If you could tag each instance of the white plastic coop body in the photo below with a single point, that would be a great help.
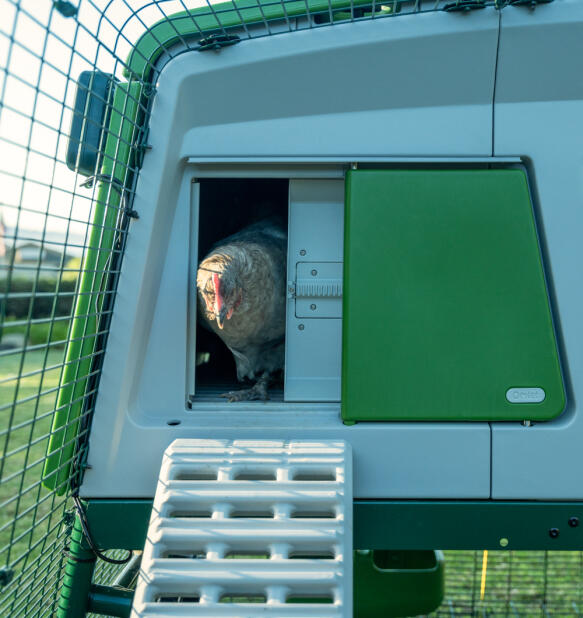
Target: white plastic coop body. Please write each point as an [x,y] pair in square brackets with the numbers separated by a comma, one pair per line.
[276,122]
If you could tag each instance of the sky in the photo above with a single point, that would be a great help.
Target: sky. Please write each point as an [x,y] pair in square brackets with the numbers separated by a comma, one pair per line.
[42,54]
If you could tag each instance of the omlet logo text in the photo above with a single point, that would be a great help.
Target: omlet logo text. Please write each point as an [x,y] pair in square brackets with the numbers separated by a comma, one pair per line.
[525,395]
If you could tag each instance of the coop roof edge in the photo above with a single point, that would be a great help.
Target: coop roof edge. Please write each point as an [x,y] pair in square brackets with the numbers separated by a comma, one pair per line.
[219,18]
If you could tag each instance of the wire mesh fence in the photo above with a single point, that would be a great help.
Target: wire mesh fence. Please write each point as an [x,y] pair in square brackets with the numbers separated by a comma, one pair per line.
[515,583]
[64,217]
[61,239]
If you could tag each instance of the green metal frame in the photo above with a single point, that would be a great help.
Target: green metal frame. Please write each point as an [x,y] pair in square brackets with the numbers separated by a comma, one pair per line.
[76,586]
[378,524]
[465,525]
[397,524]
[228,15]
[84,332]
[110,601]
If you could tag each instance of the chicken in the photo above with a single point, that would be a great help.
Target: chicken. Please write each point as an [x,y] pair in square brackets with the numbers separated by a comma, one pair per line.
[241,287]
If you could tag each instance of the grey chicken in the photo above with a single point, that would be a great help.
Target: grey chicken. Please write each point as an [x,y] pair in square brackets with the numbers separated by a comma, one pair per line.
[241,287]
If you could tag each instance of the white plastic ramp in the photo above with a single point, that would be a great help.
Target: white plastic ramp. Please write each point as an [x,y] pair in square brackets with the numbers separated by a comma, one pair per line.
[250,528]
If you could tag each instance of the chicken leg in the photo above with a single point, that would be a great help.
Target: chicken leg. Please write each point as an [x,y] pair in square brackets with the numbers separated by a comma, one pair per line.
[257,392]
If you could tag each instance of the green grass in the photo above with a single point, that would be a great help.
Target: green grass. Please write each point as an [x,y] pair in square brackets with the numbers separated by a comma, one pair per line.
[518,583]
[40,332]
[28,512]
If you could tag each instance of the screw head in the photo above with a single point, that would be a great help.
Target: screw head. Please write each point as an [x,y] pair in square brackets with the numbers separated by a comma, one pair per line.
[503,542]
[302,252]
[301,327]
[573,522]
[313,307]
[314,272]
[554,533]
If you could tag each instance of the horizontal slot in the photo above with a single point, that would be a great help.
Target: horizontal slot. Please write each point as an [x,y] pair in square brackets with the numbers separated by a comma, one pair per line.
[243,598]
[199,554]
[176,598]
[255,475]
[256,513]
[314,475]
[203,514]
[313,555]
[251,554]
[300,597]
[313,514]
[385,559]
[196,475]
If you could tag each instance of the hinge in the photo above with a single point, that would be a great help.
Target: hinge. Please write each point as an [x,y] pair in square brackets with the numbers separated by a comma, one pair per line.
[464,5]
[216,41]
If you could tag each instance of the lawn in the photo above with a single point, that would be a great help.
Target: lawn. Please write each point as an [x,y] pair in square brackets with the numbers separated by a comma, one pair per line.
[28,512]
[518,583]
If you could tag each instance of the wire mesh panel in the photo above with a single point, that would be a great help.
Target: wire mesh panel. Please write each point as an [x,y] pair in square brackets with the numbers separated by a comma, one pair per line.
[69,160]
[513,583]
[61,238]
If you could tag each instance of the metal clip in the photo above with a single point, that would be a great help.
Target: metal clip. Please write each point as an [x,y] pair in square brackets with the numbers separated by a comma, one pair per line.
[216,41]
[6,576]
[65,8]
[69,518]
[141,146]
[464,5]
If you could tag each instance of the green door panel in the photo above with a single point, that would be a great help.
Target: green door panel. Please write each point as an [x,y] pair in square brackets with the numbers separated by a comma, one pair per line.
[445,302]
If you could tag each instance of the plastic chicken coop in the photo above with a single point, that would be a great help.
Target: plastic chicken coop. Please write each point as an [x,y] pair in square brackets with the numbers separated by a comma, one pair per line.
[425,156]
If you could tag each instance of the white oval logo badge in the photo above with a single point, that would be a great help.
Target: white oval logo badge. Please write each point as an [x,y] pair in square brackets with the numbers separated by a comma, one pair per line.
[525,395]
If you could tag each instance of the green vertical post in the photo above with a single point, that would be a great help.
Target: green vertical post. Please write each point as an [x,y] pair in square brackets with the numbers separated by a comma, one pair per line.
[74,596]
[110,601]
[84,332]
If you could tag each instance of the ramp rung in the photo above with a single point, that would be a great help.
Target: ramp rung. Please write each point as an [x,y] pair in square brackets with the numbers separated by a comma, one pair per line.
[245,528]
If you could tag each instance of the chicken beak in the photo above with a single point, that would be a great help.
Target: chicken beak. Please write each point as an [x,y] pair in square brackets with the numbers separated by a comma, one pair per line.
[220,310]
[221,315]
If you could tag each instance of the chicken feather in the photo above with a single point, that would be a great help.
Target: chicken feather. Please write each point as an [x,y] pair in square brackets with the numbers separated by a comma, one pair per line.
[241,287]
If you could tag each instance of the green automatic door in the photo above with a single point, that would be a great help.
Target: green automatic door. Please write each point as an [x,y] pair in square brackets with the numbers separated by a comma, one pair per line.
[446,313]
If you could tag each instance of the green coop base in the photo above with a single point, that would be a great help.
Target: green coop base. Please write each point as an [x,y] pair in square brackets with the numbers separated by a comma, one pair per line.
[397,583]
